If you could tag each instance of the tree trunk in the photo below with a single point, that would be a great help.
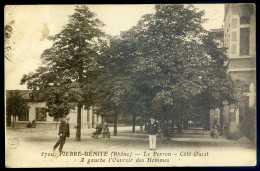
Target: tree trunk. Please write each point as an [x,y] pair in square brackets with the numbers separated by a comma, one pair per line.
[221,121]
[78,132]
[185,124]
[173,129]
[57,123]
[179,128]
[13,121]
[8,120]
[145,124]
[134,119]
[179,125]
[141,125]
[92,121]
[115,123]
[207,121]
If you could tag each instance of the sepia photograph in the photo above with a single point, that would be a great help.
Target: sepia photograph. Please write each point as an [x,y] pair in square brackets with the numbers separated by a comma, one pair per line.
[130,85]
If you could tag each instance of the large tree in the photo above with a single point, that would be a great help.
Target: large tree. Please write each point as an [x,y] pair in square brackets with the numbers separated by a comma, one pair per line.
[172,60]
[113,82]
[68,77]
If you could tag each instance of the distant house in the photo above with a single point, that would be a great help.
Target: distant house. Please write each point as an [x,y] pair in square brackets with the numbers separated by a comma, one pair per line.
[39,113]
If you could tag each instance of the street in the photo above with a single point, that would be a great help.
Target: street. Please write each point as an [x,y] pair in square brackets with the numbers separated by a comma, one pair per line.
[191,148]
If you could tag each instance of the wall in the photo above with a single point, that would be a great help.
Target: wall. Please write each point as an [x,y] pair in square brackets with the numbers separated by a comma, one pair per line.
[51,124]
[240,65]
[246,76]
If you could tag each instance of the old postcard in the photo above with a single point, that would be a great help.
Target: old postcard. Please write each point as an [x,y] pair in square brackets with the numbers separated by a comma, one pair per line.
[169,85]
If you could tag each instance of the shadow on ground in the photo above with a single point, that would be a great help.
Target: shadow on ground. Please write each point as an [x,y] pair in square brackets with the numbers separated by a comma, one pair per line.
[125,138]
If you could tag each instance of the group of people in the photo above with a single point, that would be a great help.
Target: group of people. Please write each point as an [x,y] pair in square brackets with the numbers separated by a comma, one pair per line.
[152,130]
[101,129]
[167,129]
[64,132]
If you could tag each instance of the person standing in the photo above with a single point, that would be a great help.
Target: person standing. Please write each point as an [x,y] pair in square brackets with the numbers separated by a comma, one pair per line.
[64,131]
[152,131]
[105,131]
[215,128]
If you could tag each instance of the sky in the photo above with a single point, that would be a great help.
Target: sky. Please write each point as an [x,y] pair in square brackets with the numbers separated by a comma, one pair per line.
[33,23]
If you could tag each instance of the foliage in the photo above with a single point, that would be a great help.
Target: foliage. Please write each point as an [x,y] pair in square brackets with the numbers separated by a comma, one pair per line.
[248,126]
[167,66]
[16,105]
[169,60]
[68,77]
[239,89]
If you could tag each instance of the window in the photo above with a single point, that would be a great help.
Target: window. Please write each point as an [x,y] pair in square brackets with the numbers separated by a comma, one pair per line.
[24,116]
[245,19]
[244,41]
[41,114]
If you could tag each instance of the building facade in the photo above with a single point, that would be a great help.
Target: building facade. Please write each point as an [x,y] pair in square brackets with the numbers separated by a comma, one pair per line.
[240,40]
[238,36]
[38,112]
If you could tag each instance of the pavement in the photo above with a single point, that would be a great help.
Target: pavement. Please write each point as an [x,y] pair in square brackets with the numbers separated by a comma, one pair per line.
[33,148]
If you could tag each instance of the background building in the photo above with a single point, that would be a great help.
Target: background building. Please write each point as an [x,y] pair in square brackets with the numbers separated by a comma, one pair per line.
[38,113]
[240,39]
[238,36]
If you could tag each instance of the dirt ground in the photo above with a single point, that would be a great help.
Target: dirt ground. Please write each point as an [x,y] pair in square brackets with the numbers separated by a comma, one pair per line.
[33,147]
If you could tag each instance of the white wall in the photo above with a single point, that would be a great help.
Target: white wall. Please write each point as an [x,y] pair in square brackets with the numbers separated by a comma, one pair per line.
[73,116]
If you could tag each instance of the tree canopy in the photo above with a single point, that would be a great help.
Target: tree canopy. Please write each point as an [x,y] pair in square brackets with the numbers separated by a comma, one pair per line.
[16,105]
[67,79]
[169,60]
[166,66]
